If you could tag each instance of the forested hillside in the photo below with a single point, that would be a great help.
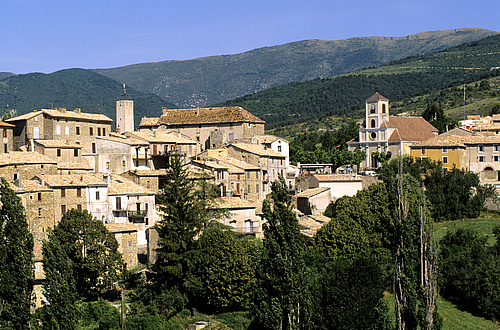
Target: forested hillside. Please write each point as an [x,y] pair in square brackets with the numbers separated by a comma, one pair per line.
[72,88]
[345,94]
[205,81]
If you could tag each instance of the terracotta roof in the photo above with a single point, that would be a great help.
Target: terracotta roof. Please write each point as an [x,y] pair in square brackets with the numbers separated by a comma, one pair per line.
[6,124]
[148,172]
[233,203]
[123,139]
[120,227]
[160,137]
[458,141]
[72,180]
[337,177]
[376,97]
[490,126]
[308,193]
[211,164]
[457,131]
[207,116]
[64,114]
[267,138]
[310,224]
[473,116]
[74,166]
[237,163]
[410,128]
[21,157]
[122,186]
[22,186]
[257,149]
[58,144]
[149,121]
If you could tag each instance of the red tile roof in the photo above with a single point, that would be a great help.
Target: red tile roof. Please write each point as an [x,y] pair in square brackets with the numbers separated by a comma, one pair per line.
[376,97]
[208,116]
[410,128]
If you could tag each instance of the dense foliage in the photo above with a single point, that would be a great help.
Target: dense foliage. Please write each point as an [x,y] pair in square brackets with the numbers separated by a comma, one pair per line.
[16,261]
[92,252]
[470,272]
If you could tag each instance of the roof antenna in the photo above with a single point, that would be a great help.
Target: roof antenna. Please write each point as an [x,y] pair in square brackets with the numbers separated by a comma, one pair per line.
[124,90]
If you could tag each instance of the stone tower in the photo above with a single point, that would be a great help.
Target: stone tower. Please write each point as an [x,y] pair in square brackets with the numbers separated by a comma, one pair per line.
[124,116]
[377,111]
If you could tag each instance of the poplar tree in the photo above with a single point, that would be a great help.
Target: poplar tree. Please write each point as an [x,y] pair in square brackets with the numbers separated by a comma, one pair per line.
[16,261]
[282,298]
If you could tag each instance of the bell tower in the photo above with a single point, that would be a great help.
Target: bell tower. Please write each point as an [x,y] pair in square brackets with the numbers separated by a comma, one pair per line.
[377,110]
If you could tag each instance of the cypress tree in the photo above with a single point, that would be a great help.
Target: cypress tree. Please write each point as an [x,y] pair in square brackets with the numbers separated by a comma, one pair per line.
[16,261]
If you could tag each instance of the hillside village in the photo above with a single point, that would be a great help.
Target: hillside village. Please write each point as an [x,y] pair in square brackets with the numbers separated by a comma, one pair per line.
[58,159]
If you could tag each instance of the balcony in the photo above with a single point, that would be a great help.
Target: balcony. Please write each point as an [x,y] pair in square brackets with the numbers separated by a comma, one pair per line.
[137,213]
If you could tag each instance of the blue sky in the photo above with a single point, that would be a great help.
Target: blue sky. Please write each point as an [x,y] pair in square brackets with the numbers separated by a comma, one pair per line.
[47,36]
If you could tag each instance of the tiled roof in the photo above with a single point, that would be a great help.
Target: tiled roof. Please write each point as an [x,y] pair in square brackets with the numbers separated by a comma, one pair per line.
[237,163]
[376,97]
[207,116]
[458,141]
[457,131]
[123,139]
[122,186]
[74,166]
[308,193]
[233,203]
[211,164]
[145,121]
[491,126]
[410,128]
[310,224]
[337,177]
[267,138]
[160,137]
[6,124]
[58,144]
[27,186]
[120,227]
[73,180]
[257,149]
[64,114]
[148,172]
[21,157]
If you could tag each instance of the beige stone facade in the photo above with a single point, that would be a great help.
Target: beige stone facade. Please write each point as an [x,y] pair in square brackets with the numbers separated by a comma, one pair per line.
[60,151]
[212,127]
[19,165]
[241,215]
[7,135]
[126,236]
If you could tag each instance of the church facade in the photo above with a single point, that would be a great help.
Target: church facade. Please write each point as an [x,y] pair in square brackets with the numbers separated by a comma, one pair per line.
[384,133]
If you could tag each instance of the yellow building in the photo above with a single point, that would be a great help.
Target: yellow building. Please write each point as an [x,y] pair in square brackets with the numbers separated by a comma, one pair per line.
[451,151]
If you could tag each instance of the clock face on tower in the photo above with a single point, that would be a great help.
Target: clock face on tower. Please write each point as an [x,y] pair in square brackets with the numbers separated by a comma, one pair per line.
[372,108]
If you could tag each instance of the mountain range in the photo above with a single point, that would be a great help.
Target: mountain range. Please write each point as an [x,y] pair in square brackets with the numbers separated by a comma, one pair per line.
[205,81]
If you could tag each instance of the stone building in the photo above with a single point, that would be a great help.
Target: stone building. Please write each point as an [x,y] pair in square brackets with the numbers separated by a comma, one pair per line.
[126,236]
[119,153]
[212,127]
[60,151]
[7,134]
[149,179]
[241,215]
[19,165]
[385,133]
[314,201]
[60,124]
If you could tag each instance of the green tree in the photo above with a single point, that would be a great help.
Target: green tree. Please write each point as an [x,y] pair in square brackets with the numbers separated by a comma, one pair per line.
[92,251]
[16,261]
[227,270]
[59,286]
[282,298]
[185,203]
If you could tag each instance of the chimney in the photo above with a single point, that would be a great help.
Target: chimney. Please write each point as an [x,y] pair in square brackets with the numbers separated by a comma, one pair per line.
[63,110]
[164,111]
[77,110]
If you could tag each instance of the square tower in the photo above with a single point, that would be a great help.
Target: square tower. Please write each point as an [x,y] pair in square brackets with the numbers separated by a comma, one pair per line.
[377,111]
[124,116]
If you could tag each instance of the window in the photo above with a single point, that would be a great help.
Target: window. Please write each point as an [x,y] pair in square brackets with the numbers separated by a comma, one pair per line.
[79,207]
[147,184]
[97,195]
[480,148]
[124,163]
[98,131]
[372,108]
[383,108]
[248,175]
[93,148]
[91,131]
[58,130]
[77,130]
[233,224]
[78,192]
[75,153]
[36,132]
[39,196]
[256,175]
[495,158]
[129,246]
[248,189]
[424,151]
[107,165]
[58,152]
[445,149]
[372,123]
[496,147]
[39,212]
[103,131]
[15,176]
[249,226]
[445,160]
[480,159]
[66,130]
[279,148]
[118,203]
[63,209]
[257,188]
[63,192]
[231,136]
